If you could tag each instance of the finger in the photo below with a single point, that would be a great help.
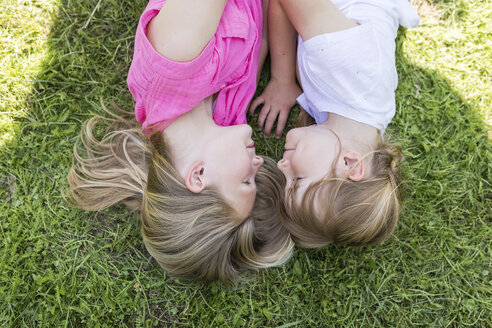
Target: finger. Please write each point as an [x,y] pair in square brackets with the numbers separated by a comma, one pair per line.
[255,103]
[272,116]
[263,115]
[282,120]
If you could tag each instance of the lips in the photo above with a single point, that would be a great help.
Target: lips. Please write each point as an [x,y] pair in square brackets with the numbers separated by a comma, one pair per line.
[251,145]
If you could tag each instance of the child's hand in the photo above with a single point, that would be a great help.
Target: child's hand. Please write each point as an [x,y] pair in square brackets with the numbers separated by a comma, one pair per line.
[278,98]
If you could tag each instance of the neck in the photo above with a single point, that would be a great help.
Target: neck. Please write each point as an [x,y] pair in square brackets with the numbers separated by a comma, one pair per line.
[356,135]
[188,132]
[199,117]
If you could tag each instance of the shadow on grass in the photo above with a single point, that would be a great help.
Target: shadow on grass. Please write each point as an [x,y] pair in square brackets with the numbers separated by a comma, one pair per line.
[82,268]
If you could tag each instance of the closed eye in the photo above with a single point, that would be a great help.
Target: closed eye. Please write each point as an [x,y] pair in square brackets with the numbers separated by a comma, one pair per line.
[295,181]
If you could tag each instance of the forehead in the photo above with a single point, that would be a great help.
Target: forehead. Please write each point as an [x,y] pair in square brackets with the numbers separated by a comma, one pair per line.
[294,191]
[296,197]
[240,197]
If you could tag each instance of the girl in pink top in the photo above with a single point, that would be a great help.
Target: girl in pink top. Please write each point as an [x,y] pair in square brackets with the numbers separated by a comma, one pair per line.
[190,171]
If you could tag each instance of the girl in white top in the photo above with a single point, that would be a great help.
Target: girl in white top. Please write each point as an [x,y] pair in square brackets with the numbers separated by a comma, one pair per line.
[343,182]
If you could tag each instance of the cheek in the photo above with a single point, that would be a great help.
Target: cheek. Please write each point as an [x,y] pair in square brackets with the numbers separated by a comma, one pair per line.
[240,164]
[313,163]
[301,163]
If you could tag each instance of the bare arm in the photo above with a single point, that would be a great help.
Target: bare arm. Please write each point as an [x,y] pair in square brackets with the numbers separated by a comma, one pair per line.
[183,28]
[283,44]
[315,17]
[264,40]
[286,19]
[282,90]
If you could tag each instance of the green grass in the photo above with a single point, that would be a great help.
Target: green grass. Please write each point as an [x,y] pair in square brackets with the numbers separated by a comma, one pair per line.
[65,267]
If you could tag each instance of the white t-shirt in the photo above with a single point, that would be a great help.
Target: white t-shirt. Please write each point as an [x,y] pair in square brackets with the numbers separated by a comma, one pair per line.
[352,72]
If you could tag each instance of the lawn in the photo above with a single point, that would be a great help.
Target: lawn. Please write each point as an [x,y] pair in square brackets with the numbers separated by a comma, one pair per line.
[65,267]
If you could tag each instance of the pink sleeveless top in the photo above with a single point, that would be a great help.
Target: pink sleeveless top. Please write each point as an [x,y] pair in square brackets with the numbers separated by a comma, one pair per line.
[165,89]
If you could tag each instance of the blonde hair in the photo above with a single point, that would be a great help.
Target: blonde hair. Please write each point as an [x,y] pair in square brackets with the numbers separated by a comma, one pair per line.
[353,212]
[190,235]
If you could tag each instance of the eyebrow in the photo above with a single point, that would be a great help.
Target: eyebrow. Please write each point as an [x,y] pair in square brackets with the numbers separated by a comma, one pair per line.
[251,193]
[297,185]
[293,185]
[296,182]
[250,188]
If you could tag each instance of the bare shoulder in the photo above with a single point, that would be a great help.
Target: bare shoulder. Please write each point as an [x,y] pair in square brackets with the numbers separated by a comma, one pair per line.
[315,17]
[184,27]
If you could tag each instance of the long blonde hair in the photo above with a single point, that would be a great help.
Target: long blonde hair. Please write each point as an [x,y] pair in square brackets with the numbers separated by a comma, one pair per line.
[353,212]
[190,235]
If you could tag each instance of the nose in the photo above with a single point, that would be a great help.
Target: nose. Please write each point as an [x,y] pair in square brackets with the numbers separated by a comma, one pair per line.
[284,166]
[283,163]
[257,162]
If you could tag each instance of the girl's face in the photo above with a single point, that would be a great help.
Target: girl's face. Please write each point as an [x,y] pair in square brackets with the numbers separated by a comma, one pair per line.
[310,154]
[232,165]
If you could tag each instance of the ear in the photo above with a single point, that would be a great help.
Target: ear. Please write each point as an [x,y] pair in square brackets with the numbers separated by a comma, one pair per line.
[353,164]
[195,177]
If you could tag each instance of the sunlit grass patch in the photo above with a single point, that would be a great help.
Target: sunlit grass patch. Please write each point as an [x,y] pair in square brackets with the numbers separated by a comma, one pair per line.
[24,30]
[455,40]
